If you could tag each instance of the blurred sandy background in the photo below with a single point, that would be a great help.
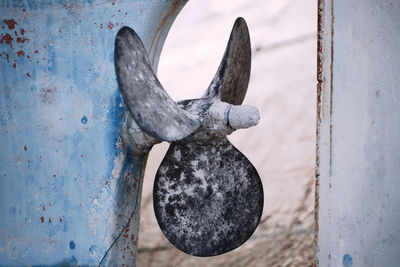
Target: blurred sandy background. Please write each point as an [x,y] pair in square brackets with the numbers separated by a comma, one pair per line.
[282,146]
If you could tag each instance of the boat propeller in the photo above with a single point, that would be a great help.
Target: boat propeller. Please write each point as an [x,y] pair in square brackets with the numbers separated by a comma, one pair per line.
[208,197]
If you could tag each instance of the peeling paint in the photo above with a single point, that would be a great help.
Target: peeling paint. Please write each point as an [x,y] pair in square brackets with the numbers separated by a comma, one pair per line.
[72,126]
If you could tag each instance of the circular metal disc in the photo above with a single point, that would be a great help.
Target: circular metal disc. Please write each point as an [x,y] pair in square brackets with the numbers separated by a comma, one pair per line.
[208,198]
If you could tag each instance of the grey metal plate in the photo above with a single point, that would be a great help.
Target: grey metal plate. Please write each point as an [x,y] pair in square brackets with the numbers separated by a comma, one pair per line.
[208,198]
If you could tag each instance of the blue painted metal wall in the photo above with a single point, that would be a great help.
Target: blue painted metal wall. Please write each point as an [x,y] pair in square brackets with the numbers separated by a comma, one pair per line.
[68,184]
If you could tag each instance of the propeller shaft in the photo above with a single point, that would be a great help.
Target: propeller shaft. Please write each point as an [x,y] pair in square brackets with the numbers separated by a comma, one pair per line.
[225,118]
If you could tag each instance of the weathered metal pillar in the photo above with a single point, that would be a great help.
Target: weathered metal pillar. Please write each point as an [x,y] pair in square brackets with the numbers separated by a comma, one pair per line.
[358,185]
[68,185]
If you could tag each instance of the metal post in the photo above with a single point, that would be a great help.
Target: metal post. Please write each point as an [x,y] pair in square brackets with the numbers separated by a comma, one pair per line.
[69,189]
[358,185]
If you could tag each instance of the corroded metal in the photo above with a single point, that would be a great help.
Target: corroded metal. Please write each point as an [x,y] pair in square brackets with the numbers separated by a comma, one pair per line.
[208,197]
[358,158]
[69,187]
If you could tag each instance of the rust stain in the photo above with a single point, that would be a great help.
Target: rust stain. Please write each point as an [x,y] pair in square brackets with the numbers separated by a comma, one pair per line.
[27,74]
[20,53]
[73,8]
[156,38]
[324,101]
[322,96]
[10,23]
[22,40]
[25,148]
[7,39]
[47,95]
[42,219]
[320,84]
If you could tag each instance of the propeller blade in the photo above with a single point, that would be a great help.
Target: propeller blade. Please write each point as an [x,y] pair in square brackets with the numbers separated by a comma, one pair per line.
[147,101]
[232,78]
[208,197]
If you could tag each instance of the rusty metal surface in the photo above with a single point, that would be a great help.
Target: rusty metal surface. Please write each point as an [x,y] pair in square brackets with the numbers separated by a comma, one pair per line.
[358,159]
[68,185]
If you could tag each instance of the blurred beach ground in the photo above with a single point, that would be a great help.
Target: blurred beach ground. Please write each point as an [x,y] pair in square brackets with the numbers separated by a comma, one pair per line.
[282,147]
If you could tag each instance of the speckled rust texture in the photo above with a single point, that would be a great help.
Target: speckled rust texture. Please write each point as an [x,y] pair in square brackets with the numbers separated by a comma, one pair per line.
[208,197]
